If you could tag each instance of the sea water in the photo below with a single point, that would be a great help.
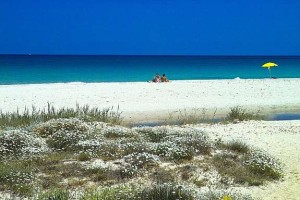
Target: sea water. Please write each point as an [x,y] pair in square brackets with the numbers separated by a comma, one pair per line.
[25,69]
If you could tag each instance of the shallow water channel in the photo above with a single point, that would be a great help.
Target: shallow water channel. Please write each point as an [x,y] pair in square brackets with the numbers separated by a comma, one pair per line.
[285,116]
[273,117]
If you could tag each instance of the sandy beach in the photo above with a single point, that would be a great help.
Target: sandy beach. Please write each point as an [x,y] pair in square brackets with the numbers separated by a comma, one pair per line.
[154,101]
[280,139]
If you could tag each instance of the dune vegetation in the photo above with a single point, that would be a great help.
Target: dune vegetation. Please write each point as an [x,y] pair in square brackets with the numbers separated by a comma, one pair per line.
[85,153]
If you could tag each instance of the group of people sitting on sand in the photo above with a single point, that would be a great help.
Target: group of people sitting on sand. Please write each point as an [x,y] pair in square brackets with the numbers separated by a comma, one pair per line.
[157,78]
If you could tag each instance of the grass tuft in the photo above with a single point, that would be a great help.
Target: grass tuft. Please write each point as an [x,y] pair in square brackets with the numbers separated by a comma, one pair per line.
[84,157]
[166,192]
[241,114]
[33,116]
[237,146]
[196,116]
[57,194]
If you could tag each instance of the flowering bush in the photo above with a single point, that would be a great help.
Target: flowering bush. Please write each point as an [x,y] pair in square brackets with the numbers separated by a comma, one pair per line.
[13,176]
[110,150]
[112,132]
[19,143]
[197,141]
[164,148]
[129,147]
[16,177]
[109,154]
[142,160]
[63,125]
[260,162]
[127,170]
[153,134]
[181,154]
[69,134]
[171,151]
[65,140]
[88,146]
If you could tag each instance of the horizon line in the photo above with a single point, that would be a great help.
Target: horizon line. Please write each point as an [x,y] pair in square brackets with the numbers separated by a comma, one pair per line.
[183,55]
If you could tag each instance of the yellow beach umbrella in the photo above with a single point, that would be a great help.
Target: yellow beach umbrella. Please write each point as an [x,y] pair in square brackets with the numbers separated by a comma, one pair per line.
[269,65]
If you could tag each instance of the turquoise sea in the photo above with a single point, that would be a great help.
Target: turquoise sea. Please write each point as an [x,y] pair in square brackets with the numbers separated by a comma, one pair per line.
[23,69]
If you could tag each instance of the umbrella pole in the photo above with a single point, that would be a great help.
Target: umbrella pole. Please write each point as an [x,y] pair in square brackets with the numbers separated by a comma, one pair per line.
[269,72]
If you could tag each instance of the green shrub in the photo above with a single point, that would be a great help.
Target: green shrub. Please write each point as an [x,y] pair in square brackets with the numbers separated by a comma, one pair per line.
[135,147]
[127,171]
[119,192]
[67,134]
[115,132]
[237,146]
[142,160]
[182,154]
[187,171]
[262,164]
[88,146]
[219,194]
[241,114]
[165,192]
[17,177]
[159,192]
[164,148]
[57,194]
[99,174]
[65,141]
[110,151]
[132,192]
[20,143]
[197,141]
[229,166]
[162,175]
[153,134]
[253,168]
[83,157]
[61,125]
[23,189]
[114,150]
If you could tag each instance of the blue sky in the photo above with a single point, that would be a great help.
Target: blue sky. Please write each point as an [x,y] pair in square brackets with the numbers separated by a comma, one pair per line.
[156,27]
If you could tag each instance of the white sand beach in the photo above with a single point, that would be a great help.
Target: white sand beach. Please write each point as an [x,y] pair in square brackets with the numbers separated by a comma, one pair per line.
[153,101]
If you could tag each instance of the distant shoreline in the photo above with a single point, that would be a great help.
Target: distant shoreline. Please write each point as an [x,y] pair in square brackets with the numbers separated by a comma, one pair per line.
[153,55]
[148,81]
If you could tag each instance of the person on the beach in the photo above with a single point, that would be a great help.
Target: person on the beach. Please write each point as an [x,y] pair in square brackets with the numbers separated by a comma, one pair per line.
[156,78]
[164,78]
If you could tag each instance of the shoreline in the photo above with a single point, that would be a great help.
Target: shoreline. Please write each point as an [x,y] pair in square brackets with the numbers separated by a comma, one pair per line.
[146,81]
[142,101]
